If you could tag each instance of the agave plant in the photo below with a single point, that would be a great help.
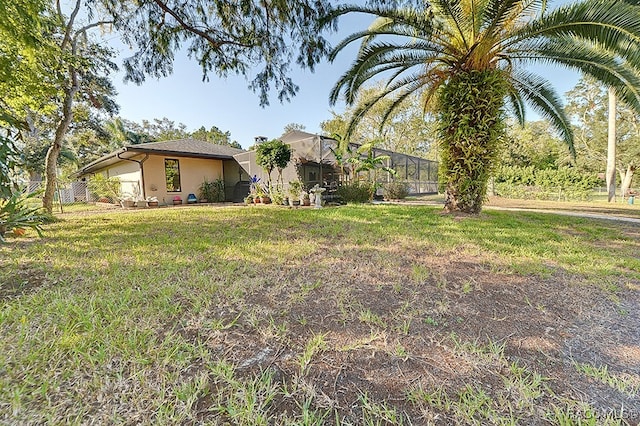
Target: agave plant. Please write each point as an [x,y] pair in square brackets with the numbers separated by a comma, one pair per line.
[16,214]
[468,59]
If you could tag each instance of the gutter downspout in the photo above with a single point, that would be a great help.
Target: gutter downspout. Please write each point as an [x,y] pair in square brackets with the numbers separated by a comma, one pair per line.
[146,157]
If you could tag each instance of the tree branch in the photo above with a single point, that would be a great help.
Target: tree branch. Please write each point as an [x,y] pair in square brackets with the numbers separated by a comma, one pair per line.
[217,44]
[92,25]
[72,18]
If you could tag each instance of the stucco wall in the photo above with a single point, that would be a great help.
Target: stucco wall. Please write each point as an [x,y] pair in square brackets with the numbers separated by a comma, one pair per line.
[193,171]
[130,177]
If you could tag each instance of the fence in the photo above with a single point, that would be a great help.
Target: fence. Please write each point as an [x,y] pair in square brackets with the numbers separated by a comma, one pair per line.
[73,192]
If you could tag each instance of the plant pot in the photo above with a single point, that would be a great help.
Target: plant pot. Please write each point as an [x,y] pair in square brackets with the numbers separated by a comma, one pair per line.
[265,200]
[177,202]
[128,203]
[306,202]
[256,200]
[153,204]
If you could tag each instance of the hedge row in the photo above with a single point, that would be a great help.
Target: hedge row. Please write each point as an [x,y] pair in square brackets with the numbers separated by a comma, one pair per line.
[564,183]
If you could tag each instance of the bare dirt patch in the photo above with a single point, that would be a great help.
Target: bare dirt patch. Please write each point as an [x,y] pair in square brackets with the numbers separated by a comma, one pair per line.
[388,333]
[26,280]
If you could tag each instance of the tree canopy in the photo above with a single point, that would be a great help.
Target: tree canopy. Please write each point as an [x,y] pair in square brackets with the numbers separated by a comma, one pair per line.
[256,39]
[588,108]
[470,58]
[273,154]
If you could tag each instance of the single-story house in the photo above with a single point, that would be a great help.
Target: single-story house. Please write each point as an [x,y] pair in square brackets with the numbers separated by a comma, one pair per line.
[170,168]
[178,168]
[313,162]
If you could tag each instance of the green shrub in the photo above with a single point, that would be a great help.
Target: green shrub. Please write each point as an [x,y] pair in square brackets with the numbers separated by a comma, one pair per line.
[561,184]
[396,190]
[213,191]
[15,213]
[277,197]
[356,192]
[103,187]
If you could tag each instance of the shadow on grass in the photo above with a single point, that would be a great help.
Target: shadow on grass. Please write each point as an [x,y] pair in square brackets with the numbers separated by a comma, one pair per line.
[177,312]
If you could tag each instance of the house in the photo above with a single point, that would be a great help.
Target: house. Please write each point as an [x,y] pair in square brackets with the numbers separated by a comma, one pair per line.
[178,168]
[170,168]
[314,162]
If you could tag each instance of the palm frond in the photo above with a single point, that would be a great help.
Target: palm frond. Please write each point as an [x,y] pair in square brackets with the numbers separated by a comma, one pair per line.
[517,106]
[378,59]
[593,60]
[411,88]
[451,10]
[544,99]
[612,25]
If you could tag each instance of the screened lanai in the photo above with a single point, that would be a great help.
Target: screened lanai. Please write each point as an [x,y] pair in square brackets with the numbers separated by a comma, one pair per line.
[313,162]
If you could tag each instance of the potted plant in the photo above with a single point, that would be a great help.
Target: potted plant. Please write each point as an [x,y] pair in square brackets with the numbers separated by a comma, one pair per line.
[177,200]
[152,201]
[306,200]
[106,190]
[128,202]
[259,193]
[277,197]
[248,199]
[295,189]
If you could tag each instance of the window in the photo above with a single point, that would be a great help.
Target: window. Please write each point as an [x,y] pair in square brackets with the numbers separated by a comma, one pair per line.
[172,173]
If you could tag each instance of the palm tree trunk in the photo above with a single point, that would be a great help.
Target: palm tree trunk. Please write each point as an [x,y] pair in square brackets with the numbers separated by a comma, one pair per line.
[611,148]
[471,127]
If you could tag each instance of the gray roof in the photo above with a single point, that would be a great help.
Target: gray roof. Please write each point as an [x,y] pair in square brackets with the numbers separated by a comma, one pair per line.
[298,135]
[187,148]
[179,148]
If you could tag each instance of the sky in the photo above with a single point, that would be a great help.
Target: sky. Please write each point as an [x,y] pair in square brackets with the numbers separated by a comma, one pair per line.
[231,106]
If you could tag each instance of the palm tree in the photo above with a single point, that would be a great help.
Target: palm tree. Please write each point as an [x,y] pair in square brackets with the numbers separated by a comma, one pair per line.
[468,58]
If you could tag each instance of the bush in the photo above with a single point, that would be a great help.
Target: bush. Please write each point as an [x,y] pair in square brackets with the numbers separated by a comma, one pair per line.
[213,192]
[16,214]
[102,187]
[396,190]
[565,183]
[277,197]
[356,192]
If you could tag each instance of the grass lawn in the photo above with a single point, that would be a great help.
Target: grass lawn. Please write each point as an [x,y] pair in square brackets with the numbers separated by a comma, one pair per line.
[354,315]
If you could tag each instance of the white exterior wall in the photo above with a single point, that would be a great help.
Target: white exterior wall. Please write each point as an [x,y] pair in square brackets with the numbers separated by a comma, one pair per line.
[130,177]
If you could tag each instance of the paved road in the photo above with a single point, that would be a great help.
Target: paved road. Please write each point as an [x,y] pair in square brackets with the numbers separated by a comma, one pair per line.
[558,212]
[574,214]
